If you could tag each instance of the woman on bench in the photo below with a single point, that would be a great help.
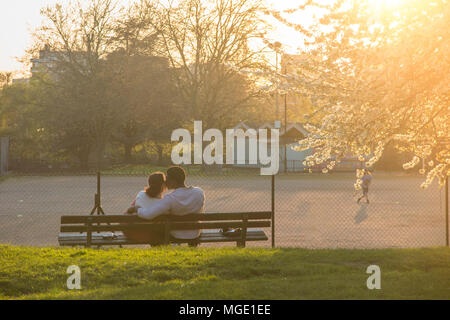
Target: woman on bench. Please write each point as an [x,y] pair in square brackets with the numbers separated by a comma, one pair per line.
[147,198]
[181,201]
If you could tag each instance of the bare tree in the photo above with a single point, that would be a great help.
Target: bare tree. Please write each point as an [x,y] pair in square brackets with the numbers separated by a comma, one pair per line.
[76,39]
[208,44]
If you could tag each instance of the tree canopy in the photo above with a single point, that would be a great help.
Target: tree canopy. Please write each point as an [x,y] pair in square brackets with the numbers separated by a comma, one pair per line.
[380,76]
[369,76]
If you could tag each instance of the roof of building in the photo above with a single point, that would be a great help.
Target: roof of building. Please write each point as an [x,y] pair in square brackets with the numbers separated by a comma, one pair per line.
[270,125]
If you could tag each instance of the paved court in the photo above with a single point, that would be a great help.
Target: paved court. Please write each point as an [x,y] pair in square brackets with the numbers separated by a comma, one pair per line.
[317,211]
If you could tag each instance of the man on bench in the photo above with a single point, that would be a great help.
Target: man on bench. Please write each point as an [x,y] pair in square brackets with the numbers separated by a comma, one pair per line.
[182,201]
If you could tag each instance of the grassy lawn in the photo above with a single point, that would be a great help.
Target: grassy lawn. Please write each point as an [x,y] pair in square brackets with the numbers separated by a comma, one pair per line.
[197,170]
[223,273]
[191,170]
[132,169]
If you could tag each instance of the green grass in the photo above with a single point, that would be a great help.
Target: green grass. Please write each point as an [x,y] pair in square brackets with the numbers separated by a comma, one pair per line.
[193,170]
[197,170]
[223,273]
[133,169]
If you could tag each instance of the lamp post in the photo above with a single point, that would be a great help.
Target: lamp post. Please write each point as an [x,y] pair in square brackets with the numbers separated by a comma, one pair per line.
[276,47]
[285,124]
[285,132]
[276,93]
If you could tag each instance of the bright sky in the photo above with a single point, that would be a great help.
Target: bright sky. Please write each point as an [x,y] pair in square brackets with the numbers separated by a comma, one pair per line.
[19,17]
[16,19]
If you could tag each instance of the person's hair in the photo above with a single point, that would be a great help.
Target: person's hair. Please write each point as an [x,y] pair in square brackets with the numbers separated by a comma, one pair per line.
[155,184]
[177,175]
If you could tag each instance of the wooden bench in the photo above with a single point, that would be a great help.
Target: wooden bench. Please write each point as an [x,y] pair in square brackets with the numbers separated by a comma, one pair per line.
[102,230]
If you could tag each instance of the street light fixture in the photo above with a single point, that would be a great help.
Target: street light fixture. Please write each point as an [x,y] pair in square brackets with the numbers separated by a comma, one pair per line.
[276,46]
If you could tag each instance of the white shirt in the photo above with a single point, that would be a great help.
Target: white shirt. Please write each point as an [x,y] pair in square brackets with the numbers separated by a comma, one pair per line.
[180,202]
[144,201]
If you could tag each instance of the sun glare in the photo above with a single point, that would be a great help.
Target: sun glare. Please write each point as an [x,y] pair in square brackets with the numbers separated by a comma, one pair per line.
[386,4]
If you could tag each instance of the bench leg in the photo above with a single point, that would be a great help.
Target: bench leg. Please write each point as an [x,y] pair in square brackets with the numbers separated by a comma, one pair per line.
[240,244]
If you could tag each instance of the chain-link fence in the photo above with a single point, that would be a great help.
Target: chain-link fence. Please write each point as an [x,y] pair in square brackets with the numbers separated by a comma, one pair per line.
[321,211]
[311,210]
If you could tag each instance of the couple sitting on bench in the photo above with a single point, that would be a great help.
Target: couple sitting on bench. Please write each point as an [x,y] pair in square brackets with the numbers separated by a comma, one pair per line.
[150,203]
[176,217]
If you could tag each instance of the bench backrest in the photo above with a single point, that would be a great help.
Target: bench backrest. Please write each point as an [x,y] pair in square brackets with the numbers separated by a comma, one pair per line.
[112,223]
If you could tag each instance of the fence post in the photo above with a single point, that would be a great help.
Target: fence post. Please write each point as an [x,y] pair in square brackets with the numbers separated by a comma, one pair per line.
[446,211]
[99,190]
[273,211]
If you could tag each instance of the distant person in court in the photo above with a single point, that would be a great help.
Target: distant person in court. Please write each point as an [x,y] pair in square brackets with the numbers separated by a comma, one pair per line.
[366,180]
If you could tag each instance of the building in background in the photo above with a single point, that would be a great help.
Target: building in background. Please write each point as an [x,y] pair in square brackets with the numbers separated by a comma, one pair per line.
[52,62]
[289,156]
[289,140]
[46,61]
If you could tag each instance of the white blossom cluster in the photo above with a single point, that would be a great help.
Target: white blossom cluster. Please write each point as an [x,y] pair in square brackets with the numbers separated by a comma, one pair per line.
[356,131]
[379,86]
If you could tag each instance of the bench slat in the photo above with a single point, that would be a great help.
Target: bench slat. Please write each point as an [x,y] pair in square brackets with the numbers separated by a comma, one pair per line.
[174,226]
[205,237]
[191,217]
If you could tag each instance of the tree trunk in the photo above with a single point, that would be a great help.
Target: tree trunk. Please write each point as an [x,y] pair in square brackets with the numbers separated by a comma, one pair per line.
[160,154]
[99,154]
[83,157]
[128,147]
